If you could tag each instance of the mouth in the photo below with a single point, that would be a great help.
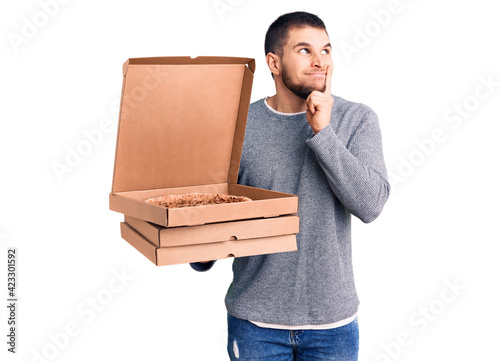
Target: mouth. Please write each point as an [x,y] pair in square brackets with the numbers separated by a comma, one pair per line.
[317,74]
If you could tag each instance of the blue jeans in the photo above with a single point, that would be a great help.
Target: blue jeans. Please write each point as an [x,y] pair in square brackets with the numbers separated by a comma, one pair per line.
[248,342]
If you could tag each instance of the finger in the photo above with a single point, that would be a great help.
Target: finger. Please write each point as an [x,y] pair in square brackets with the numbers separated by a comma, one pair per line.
[310,104]
[328,80]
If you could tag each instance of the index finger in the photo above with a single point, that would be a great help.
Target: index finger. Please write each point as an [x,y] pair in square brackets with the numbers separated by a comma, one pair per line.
[328,80]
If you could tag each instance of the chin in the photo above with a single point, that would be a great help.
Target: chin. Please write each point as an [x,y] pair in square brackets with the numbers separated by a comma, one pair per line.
[316,84]
[321,88]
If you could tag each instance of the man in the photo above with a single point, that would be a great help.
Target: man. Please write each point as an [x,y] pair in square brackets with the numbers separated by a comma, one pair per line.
[302,305]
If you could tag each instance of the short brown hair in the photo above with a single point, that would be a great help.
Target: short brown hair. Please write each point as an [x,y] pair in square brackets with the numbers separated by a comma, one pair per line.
[277,34]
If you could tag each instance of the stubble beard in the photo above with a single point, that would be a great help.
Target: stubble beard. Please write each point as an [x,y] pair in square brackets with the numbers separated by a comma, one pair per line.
[300,90]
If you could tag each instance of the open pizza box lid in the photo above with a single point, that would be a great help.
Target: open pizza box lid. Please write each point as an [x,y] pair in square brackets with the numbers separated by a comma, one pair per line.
[181,130]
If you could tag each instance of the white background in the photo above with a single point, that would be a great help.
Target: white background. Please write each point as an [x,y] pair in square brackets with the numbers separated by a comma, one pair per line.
[61,74]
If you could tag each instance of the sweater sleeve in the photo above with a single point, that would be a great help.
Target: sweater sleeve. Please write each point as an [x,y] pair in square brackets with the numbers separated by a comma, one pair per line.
[202,267]
[356,173]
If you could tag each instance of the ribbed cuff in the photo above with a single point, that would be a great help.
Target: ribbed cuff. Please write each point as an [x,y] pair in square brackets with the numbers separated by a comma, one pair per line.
[322,138]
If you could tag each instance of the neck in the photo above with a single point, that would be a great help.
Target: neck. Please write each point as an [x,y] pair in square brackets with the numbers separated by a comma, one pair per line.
[285,101]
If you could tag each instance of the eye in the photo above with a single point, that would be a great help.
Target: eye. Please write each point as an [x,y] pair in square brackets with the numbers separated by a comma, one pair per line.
[325,51]
[304,50]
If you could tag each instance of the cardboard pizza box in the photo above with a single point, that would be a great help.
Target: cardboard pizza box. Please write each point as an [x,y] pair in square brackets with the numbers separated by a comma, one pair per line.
[215,232]
[181,129]
[208,251]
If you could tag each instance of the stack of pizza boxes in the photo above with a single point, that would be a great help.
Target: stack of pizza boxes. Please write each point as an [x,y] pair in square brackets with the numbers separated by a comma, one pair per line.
[181,129]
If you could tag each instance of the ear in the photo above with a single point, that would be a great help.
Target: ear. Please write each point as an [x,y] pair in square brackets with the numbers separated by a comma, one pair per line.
[273,62]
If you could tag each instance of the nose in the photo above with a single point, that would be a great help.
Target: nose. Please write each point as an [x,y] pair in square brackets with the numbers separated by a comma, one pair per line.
[318,61]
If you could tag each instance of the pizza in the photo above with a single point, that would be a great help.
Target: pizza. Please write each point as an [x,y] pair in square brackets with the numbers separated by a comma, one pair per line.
[195,199]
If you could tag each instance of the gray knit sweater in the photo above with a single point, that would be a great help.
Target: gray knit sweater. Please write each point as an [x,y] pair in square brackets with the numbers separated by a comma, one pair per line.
[338,172]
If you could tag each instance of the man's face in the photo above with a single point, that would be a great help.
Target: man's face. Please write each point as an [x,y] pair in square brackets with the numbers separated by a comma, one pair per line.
[306,57]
